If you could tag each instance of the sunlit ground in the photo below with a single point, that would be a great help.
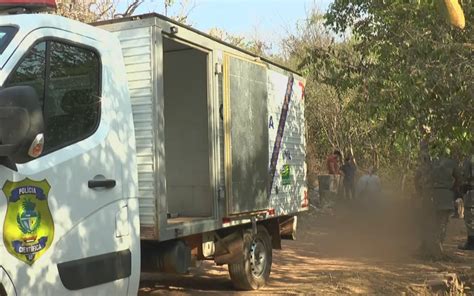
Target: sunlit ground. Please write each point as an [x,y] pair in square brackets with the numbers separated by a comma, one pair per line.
[353,249]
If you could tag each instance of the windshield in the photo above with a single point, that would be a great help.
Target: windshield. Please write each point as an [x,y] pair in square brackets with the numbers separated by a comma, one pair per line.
[6,35]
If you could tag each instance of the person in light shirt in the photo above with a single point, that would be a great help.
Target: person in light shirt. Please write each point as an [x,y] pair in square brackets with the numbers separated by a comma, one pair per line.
[368,186]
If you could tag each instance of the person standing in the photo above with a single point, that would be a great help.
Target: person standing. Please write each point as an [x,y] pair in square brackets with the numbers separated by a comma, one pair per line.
[446,178]
[368,186]
[333,162]
[422,187]
[439,194]
[349,169]
[467,189]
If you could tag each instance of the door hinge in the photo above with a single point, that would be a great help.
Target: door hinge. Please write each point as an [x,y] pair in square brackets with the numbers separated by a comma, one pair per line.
[221,192]
[218,68]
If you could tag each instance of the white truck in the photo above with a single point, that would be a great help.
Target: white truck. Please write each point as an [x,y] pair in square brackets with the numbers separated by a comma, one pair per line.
[139,144]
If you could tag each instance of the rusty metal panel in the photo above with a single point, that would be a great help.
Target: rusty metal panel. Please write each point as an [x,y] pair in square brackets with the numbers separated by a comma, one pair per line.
[245,105]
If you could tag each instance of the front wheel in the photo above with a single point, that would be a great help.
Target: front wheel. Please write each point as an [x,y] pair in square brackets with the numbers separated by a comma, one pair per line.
[253,272]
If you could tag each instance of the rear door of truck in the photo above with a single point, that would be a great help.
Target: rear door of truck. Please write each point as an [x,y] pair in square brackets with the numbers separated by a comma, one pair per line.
[264,136]
[245,135]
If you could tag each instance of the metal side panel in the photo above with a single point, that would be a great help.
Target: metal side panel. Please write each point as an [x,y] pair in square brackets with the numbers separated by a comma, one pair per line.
[287,143]
[246,135]
[137,52]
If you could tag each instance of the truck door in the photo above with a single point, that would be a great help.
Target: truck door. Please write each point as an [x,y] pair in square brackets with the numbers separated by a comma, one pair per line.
[66,220]
[246,135]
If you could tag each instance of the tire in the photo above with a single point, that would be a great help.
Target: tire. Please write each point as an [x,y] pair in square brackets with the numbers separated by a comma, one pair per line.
[253,272]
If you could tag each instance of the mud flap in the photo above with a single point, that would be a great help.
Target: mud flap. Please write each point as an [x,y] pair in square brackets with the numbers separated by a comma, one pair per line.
[229,249]
[288,227]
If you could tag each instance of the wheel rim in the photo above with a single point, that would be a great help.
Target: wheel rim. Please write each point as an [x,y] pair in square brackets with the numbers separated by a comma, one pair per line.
[258,257]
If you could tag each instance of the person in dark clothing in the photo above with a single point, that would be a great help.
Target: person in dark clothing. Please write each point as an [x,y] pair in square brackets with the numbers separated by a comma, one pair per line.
[438,180]
[349,169]
[445,177]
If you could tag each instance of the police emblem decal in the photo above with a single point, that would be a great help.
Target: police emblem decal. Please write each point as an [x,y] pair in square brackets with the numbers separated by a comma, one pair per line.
[28,229]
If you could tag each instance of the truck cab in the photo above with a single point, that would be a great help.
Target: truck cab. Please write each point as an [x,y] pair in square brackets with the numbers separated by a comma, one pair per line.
[69,215]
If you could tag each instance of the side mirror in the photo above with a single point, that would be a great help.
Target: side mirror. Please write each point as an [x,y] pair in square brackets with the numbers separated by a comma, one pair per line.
[21,124]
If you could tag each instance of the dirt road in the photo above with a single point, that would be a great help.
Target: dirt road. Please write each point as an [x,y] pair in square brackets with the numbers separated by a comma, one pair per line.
[350,250]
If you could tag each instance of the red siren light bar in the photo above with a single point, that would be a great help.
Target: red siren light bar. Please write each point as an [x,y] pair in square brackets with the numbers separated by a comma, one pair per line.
[33,5]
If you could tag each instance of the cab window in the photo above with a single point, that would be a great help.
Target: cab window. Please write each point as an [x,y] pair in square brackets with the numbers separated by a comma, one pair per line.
[67,80]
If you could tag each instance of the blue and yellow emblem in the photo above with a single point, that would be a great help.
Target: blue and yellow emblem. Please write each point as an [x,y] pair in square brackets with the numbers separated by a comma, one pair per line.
[28,230]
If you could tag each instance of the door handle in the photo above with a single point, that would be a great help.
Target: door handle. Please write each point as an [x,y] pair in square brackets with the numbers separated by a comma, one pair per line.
[106,183]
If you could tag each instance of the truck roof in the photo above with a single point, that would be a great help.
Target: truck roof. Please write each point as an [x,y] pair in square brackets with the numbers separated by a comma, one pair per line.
[167,19]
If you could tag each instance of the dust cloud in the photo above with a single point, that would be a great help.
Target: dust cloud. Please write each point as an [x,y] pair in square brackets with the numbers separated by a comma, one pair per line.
[387,227]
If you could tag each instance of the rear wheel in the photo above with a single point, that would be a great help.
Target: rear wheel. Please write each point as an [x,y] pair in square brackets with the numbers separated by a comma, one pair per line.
[253,272]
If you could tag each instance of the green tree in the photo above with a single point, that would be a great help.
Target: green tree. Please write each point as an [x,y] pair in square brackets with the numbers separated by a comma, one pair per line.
[381,75]
[414,71]
[331,123]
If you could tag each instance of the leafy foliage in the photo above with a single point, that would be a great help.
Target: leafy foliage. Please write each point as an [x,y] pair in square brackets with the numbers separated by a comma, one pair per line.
[414,71]
[332,122]
[403,74]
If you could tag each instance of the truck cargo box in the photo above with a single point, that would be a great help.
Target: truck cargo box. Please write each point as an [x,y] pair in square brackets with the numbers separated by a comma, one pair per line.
[220,132]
